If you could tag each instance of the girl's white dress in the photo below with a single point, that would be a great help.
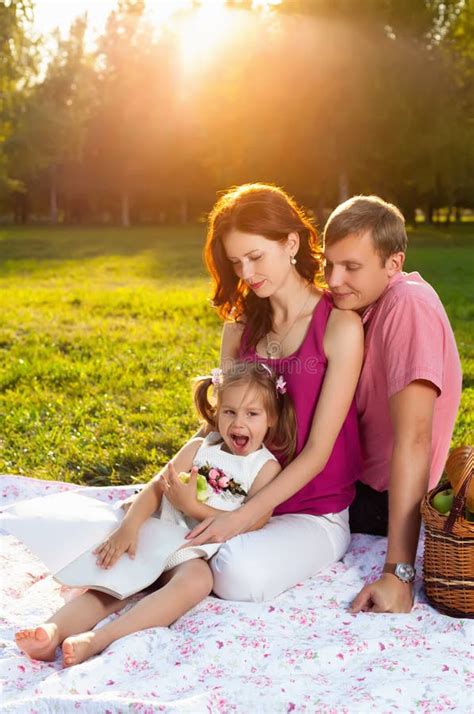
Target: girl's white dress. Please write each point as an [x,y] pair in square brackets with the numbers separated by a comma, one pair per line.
[62,529]
[241,469]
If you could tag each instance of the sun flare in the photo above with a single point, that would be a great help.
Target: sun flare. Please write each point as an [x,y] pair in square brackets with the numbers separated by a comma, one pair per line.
[202,28]
[203,31]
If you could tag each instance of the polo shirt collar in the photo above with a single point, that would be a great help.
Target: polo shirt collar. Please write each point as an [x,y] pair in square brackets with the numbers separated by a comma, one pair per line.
[369,311]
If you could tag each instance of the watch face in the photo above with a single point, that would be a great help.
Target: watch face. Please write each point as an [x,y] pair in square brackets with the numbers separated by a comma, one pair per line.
[405,572]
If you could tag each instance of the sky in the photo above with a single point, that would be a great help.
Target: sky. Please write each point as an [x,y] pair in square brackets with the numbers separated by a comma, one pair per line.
[50,14]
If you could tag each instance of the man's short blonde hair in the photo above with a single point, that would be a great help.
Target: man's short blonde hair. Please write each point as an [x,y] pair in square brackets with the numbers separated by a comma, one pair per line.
[362,214]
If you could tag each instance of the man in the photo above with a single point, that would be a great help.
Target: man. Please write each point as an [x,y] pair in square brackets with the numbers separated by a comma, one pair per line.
[409,389]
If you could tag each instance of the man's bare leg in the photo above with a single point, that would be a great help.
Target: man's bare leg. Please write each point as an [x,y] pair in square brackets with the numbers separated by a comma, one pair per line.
[185,586]
[74,617]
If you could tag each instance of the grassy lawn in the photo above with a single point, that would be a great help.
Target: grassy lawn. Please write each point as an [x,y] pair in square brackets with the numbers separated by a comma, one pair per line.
[102,330]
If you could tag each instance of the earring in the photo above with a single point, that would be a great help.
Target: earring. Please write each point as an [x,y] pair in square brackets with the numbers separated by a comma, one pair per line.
[293,260]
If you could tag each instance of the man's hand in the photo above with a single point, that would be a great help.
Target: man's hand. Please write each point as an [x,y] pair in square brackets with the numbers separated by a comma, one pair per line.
[217,529]
[182,496]
[122,540]
[388,594]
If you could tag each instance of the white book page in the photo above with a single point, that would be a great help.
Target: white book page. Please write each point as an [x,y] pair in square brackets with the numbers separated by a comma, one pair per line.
[157,540]
[60,527]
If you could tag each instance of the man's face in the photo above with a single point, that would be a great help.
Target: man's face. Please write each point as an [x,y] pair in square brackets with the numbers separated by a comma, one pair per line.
[356,274]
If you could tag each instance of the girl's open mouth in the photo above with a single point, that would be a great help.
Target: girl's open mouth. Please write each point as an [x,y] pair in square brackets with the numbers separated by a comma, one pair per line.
[239,441]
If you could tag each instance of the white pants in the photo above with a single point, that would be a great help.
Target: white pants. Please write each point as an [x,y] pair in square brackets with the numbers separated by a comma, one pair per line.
[259,565]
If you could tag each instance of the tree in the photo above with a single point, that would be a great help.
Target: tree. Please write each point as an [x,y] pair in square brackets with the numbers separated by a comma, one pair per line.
[17,69]
[51,124]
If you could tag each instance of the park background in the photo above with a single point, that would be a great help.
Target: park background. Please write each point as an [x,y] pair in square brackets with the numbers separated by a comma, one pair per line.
[113,146]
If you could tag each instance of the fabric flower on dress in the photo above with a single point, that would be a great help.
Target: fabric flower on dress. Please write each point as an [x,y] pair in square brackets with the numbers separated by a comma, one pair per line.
[220,482]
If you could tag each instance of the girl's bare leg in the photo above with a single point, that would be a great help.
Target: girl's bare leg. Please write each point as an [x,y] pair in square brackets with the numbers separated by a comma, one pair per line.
[78,615]
[184,587]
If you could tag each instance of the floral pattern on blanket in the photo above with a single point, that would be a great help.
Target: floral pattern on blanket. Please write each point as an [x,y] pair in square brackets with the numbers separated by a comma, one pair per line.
[302,652]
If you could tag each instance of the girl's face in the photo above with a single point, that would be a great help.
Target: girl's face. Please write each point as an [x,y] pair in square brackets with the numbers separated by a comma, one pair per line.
[242,419]
[261,263]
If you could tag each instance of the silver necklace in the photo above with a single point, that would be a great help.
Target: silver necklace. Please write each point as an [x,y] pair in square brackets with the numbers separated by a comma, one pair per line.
[274,347]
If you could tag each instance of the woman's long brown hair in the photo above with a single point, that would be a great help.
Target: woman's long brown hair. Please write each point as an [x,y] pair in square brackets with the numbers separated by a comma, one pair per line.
[264,210]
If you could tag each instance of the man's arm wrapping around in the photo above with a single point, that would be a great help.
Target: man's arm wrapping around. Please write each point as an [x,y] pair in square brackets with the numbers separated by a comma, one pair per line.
[413,367]
[411,412]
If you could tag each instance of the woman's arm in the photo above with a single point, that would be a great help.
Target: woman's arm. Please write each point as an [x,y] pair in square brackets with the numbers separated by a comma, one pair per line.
[230,343]
[344,346]
[267,473]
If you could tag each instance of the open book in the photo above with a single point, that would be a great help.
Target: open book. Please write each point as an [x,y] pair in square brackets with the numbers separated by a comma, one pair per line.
[64,528]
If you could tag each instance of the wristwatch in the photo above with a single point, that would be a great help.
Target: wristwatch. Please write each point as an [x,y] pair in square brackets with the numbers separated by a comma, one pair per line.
[404,571]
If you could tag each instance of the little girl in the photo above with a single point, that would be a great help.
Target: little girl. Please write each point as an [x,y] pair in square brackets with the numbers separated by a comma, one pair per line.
[250,411]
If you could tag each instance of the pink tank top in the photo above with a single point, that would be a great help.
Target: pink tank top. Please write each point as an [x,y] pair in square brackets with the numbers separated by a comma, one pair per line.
[333,488]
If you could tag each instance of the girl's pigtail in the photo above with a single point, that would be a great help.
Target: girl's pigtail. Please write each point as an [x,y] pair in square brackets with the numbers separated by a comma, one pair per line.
[201,401]
[283,435]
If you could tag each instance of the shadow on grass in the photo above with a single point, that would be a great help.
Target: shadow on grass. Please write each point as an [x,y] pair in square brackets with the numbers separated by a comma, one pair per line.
[175,250]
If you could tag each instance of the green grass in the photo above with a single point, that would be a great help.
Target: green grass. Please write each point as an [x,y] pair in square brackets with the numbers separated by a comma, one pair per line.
[102,331]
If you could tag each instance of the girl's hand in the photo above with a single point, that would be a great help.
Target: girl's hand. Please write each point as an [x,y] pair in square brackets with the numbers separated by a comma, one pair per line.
[122,540]
[182,496]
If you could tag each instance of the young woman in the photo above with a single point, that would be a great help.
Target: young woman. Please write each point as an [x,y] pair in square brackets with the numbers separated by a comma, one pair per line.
[262,254]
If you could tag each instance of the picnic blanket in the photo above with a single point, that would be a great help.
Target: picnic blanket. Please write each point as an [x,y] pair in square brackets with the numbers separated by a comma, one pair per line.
[301,652]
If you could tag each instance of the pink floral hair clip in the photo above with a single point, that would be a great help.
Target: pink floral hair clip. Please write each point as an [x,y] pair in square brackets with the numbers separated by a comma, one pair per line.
[280,384]
[217,376]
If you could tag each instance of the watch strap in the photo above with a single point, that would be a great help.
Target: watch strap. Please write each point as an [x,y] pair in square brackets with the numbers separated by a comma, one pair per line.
[392,569]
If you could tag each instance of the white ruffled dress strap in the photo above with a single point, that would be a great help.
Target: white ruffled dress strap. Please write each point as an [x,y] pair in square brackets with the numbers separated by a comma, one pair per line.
[243,469]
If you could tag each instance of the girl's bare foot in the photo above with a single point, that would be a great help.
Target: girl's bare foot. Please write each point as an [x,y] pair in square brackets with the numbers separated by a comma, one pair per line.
[39,642]
[78,648]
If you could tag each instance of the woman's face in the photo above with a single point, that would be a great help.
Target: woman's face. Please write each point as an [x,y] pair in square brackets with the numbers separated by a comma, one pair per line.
[263,264]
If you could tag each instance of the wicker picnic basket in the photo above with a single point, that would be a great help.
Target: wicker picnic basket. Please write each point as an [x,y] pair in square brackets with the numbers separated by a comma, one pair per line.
[448,562]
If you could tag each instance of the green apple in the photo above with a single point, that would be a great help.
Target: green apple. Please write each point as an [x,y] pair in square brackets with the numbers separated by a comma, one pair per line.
[469,516]
[201,485]
[443,501]
[183,477]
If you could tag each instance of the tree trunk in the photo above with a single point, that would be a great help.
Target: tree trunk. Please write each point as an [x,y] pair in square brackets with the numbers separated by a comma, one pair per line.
[125,209]
[53,195]
[429,213]
[319,213]
[343,187]
[21,208]
[25,208]
[184,210]
[410,215]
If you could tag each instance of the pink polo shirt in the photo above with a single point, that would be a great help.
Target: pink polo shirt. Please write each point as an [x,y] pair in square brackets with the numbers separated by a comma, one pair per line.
[407,337]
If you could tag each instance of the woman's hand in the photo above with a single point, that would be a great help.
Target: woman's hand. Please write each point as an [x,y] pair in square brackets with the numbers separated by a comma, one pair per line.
[183,496]
[122,540]
[218,529]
